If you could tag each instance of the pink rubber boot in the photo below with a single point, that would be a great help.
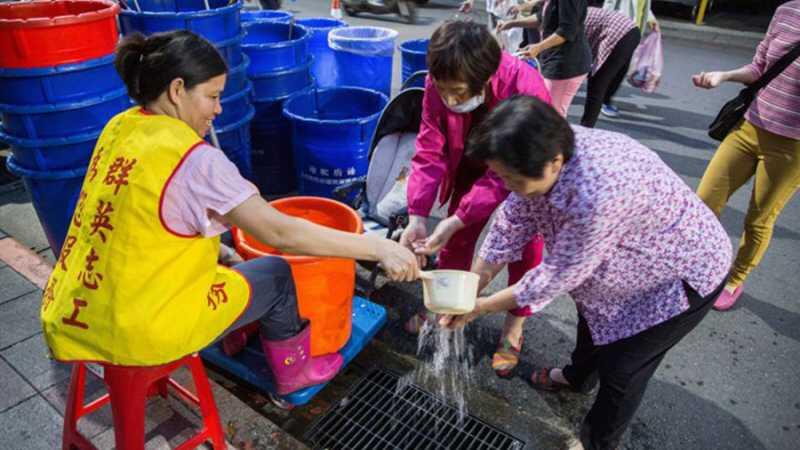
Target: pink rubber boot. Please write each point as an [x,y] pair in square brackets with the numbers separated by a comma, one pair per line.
[292,365]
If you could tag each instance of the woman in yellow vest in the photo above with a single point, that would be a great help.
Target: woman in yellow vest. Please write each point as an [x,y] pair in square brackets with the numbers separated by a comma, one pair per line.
[138,281]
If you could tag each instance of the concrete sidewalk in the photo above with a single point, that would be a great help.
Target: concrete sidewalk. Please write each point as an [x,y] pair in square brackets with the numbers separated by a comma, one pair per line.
[33,387]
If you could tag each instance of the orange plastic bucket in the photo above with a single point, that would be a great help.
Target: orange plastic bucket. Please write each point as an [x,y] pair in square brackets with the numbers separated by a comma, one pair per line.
[325,286]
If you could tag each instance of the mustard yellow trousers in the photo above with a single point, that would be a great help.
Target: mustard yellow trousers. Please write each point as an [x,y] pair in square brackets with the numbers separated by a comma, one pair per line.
[775,162]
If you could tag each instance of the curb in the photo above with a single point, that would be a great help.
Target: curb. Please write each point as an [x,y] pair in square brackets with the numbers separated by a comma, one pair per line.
[708,35]
[25,261]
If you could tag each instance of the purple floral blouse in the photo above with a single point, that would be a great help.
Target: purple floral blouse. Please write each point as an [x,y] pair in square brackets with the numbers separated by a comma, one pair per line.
[621,230]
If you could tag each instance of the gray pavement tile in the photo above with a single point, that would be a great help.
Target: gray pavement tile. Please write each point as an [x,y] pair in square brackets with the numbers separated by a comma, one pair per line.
[31,425]
[13,285]
[19,219]
[31,359]
[13,388]
[20,319]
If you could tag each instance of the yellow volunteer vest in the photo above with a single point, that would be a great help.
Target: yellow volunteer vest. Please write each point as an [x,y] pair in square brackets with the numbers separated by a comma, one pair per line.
[126,290]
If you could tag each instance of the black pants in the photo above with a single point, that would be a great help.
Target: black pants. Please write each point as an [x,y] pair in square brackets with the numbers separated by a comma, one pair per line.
[624,368]
[604,84]
[273,300]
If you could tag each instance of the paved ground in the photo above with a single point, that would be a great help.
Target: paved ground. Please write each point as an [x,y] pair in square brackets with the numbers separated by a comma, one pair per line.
[731,384]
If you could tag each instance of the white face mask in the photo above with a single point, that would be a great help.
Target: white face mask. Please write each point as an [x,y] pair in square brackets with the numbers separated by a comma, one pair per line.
[466,106]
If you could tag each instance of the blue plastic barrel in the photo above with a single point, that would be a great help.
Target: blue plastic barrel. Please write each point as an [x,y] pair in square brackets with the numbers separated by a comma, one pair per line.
[54,153]
[234,107]
[175,5]
[324,67]
[265,15]
[363,56]
[283,82]
[274,46]
[331,132]
[237,77]
[235,142]
[231,50]
[59,84]
[63,119]
[217,24]
[412,55]
[271,133]
[54,195]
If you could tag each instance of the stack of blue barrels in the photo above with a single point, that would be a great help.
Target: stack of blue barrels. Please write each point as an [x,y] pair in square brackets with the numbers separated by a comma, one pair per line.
[218,21]
[54,104]
[280,66]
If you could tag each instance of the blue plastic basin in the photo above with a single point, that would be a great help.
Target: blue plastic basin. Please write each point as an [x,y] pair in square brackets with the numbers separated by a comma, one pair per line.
[59,84]
[274,46]
[331,132]
[63,119]
[216,24]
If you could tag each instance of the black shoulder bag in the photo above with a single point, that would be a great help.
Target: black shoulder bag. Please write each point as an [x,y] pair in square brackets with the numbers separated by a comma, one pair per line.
[733,111]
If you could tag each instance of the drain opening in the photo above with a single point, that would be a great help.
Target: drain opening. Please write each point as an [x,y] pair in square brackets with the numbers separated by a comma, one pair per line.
[372,417]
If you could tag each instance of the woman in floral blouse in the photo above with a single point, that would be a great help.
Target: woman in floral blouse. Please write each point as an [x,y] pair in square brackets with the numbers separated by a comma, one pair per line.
[639,253]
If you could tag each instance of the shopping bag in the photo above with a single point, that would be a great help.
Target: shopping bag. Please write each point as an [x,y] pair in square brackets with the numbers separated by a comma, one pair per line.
[647,63]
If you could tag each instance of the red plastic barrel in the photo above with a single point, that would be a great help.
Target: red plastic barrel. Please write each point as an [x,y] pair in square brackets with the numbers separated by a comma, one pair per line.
[49,33]
[324,286]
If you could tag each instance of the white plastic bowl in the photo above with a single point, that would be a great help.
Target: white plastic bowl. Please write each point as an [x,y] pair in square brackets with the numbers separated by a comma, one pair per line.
[450,291]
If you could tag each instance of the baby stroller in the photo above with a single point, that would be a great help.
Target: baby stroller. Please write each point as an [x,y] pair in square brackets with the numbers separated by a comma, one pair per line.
[380,199]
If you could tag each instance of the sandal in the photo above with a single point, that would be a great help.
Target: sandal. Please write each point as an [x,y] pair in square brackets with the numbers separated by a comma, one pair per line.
[540,379]
[414,325]
[506,357]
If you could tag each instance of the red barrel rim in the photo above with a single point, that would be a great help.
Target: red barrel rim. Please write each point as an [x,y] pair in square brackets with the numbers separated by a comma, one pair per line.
[87,11]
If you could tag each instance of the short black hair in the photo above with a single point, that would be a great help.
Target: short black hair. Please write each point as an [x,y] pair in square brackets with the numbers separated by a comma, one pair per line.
[148,65]
[463,51]
[524,134]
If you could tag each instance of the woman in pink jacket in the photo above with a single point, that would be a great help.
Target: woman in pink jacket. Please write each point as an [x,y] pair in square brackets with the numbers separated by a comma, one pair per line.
[468,76]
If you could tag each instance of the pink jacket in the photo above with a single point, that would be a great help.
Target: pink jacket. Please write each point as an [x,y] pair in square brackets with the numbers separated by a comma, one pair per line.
[441,140]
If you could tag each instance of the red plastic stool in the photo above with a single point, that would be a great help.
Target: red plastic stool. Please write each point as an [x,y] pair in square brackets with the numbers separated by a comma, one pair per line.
[128,391]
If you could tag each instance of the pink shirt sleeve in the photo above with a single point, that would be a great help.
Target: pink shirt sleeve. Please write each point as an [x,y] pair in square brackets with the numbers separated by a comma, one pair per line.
[205,187]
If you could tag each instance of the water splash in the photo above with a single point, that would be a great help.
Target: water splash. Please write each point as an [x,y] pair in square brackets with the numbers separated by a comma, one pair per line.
[445,366]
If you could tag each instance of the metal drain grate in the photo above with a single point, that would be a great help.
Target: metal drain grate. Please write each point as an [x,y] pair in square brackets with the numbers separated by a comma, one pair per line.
[372,417]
